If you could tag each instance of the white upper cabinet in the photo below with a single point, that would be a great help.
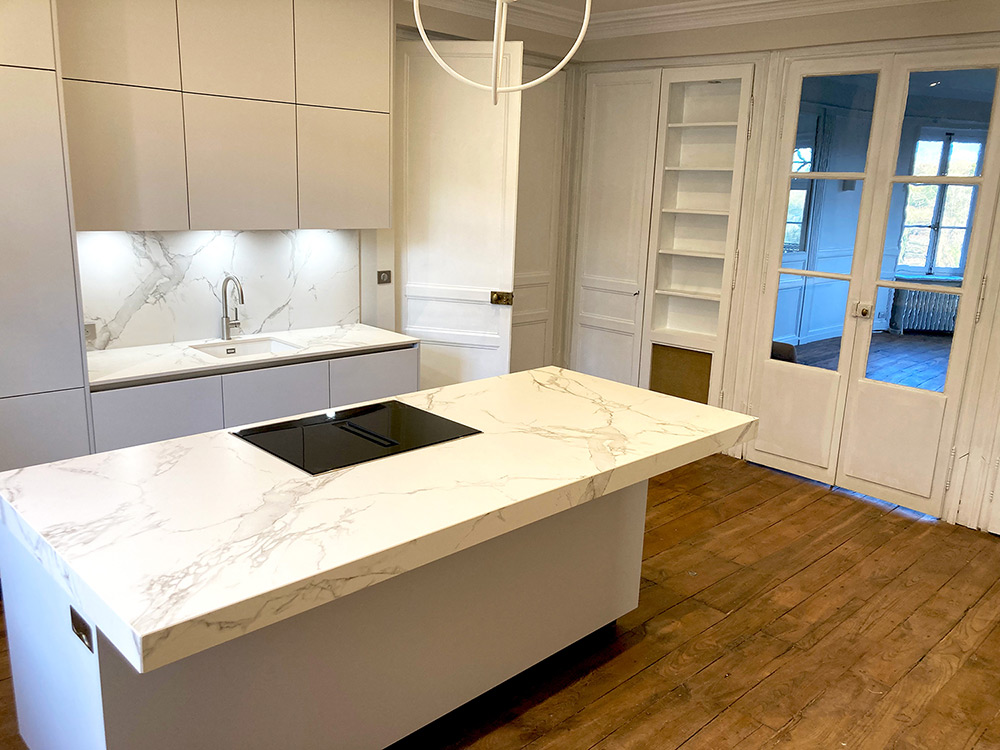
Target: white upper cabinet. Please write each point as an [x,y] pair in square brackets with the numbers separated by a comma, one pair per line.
[38,303]
[241,163]
[120,41]
[242,48]
[343,51]
[126,150]
[343,168]
[26,34]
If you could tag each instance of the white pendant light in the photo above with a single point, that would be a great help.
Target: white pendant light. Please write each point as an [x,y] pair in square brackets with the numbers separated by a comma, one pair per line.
[499,36]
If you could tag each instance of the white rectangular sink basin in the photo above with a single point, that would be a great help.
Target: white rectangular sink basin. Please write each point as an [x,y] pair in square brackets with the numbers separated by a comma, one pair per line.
[263,345]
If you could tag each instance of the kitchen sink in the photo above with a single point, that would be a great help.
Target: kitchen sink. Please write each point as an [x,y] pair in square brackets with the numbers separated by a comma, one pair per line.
[259,346]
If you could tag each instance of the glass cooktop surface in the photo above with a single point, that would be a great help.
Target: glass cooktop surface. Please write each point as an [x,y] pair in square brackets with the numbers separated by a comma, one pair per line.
[347,437]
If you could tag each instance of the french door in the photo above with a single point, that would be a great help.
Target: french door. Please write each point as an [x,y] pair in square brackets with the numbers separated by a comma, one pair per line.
[874,269]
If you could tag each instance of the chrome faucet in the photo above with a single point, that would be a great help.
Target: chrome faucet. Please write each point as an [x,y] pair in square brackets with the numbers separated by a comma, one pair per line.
[228,324]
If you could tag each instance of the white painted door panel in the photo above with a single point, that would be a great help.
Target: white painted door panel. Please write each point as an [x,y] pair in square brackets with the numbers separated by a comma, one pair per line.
[274,392]
[43,427]
[148,413]
[798,411]
[619,156]
[456,209]
[39,315]
[891,435]
[366,377]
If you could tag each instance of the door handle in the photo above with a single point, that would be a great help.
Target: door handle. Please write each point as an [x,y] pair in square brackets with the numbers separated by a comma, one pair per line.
[501,298]
[863,310]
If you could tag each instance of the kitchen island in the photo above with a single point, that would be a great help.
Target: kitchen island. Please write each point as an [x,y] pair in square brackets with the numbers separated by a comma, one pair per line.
[202,593]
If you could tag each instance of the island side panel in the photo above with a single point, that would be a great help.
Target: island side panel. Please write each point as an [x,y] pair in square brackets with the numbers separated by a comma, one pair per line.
[368,669]
[57,685]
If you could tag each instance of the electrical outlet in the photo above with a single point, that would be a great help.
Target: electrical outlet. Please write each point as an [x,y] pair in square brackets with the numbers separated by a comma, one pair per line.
[90,332]
[385,277]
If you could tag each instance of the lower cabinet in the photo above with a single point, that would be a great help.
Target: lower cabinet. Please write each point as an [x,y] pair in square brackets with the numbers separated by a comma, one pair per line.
[148,413]
[43,427]
[370,376]
[259,395]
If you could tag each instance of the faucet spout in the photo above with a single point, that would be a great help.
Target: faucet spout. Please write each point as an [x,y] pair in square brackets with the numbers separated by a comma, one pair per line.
[228,324]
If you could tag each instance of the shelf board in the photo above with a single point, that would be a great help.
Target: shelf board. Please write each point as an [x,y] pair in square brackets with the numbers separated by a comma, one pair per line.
[690,294]
[724,124]
[692,253]
[698,169]
[705,342]
[698,211]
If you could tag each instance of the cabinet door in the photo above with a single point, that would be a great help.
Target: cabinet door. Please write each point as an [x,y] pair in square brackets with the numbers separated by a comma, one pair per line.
[120,41]
[39,314]
[343,52]
[148,413]
[343,169]
[241,163]
[43,427]
[238,48]
[365,377]
[26,34]
[259,395]
[126,156]
[616,186]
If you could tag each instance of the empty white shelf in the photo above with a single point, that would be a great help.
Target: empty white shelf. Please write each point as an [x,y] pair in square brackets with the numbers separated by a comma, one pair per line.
[691,294]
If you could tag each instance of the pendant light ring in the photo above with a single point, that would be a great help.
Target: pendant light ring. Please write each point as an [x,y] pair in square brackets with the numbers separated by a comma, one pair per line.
[498,39]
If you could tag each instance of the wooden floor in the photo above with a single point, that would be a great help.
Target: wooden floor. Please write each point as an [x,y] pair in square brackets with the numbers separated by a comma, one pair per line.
[916,360]
[773,613]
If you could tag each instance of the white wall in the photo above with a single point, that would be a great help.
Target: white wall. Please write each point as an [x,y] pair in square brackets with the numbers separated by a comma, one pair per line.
[899,22]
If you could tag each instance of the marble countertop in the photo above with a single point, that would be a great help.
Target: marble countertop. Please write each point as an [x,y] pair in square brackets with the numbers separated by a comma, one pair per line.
[157,363]
[175,547]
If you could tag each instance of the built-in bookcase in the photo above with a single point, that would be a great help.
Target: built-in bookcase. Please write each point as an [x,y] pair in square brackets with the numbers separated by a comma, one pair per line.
[701,151]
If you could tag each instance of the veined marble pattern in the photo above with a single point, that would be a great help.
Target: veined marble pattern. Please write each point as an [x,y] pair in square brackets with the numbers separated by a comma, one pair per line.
[175,547]
[160,362]
[158,287]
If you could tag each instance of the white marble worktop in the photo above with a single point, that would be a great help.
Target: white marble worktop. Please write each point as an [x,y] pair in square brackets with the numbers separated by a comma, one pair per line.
[140,365]
[175,547]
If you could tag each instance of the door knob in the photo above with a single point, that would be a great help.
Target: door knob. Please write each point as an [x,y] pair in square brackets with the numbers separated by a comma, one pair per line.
[863,310]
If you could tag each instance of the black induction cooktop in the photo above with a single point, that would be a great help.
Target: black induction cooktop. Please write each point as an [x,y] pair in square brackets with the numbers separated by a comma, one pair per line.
[353,436]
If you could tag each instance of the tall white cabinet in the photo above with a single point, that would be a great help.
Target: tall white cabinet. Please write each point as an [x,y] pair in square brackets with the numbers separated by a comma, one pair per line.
[619,153]
[664,152]
[697,191]
[43,415]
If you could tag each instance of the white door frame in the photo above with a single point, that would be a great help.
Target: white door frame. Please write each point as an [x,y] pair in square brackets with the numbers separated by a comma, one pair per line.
[871,232]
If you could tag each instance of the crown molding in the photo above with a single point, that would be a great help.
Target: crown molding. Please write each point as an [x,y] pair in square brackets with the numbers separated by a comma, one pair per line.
[700,14]
[540,15]
[537,15]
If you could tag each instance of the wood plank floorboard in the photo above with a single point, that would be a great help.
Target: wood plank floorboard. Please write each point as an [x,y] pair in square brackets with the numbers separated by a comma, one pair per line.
[773,612]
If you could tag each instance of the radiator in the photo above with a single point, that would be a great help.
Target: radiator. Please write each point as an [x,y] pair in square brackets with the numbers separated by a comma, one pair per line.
[923,311]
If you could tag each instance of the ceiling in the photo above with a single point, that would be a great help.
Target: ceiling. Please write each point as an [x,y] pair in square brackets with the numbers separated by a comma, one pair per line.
[621,18]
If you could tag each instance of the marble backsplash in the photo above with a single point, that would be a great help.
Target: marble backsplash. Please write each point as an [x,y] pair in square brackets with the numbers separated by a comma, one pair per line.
[157,287]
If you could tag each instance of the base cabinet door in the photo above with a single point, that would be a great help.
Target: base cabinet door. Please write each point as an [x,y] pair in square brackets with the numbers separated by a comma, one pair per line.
[259,395]
[148,413]
[370,376]
[43,427]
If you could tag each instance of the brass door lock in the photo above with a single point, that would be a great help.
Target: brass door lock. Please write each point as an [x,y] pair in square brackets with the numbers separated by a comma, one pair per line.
[501,298]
